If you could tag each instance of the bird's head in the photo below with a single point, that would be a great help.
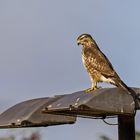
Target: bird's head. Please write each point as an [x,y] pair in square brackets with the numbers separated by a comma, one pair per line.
[84,39]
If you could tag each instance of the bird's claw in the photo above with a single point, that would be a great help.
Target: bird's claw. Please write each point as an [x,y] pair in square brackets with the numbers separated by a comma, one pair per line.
[91,89]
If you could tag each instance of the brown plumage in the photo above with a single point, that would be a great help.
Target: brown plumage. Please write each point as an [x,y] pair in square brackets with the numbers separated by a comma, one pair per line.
[98,66]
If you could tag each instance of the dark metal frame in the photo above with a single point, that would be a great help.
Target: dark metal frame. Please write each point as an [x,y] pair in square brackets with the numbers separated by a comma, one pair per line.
[126,128]
[64,109]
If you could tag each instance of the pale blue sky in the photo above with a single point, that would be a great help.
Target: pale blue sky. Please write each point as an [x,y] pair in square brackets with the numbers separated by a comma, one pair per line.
[39,56]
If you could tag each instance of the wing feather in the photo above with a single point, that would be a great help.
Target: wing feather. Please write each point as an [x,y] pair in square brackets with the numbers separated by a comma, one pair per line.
[99,62]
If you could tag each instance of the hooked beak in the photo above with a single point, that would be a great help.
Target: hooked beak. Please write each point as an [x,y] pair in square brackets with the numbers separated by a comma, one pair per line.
[78,42]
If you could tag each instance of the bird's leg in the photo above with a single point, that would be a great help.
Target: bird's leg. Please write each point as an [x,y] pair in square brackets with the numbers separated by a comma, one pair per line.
[93,87]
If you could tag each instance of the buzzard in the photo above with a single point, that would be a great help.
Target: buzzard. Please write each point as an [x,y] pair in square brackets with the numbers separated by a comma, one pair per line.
[98,66]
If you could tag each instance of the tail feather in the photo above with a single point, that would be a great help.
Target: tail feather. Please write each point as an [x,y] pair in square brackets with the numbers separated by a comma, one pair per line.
[130,91]
[126,88]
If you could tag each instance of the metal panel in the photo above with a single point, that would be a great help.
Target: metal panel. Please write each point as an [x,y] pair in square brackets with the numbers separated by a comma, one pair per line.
[29,114]
[98,103]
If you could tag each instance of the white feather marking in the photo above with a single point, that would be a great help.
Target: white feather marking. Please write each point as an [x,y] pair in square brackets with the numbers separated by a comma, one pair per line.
[108,80]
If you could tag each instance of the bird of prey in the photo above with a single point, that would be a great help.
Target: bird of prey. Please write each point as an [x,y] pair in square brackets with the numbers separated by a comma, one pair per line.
[98,66]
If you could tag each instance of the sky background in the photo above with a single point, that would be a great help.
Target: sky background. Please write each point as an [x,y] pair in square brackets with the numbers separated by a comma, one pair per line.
[39,56]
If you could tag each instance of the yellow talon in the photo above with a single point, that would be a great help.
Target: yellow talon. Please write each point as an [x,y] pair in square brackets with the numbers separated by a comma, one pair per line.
[91,89]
